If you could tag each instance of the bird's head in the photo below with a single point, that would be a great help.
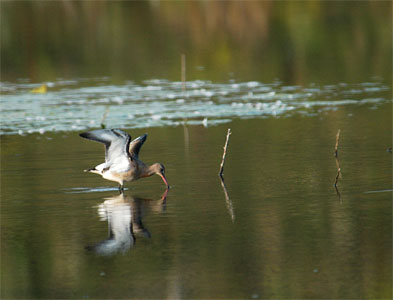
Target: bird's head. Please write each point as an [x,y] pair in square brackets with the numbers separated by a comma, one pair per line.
[159,169]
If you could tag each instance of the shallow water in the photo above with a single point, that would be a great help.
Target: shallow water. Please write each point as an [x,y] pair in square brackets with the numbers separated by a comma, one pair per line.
[283,231]
[285,76]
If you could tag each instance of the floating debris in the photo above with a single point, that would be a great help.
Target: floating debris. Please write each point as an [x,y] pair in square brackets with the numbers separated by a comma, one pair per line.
[40,90]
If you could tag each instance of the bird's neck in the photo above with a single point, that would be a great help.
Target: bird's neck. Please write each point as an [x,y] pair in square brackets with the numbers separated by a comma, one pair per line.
[148,171]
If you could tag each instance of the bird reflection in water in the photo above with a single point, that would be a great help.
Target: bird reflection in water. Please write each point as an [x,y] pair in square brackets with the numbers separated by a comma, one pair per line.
[124,214]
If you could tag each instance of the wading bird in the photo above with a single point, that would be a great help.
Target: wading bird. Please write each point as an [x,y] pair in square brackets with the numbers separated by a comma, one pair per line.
[122,163]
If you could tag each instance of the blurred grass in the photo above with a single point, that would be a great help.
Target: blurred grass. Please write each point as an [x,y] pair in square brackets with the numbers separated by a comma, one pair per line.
[295,42]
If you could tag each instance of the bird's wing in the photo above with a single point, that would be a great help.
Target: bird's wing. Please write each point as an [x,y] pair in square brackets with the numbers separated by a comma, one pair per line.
[135,145]
[116,143]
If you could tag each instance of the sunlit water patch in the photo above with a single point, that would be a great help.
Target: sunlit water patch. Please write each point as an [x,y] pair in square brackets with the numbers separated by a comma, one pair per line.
[69,105]
[80,190]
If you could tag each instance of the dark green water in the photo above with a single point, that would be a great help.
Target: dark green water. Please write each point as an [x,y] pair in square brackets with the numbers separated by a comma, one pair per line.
[284,76]
[284,233]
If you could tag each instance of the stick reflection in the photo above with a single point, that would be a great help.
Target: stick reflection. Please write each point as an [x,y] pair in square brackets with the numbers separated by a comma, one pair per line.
[228,201]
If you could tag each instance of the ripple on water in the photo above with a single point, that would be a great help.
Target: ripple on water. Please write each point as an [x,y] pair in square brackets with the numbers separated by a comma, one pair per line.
[79,104]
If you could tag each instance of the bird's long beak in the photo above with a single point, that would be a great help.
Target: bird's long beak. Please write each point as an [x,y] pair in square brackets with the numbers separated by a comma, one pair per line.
[164,179]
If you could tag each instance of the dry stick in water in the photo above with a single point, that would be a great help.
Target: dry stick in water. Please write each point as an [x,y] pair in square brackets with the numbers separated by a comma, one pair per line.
[337,176]
[336,155]
[336,147]
[225,153]
[227,199]
[337,164]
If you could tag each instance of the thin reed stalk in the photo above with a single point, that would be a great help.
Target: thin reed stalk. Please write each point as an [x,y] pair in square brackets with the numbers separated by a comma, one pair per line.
[104,117]
[183,72]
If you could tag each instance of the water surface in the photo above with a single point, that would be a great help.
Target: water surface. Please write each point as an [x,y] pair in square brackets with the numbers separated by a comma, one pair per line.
[284,76]
[70,105]
[283,233]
